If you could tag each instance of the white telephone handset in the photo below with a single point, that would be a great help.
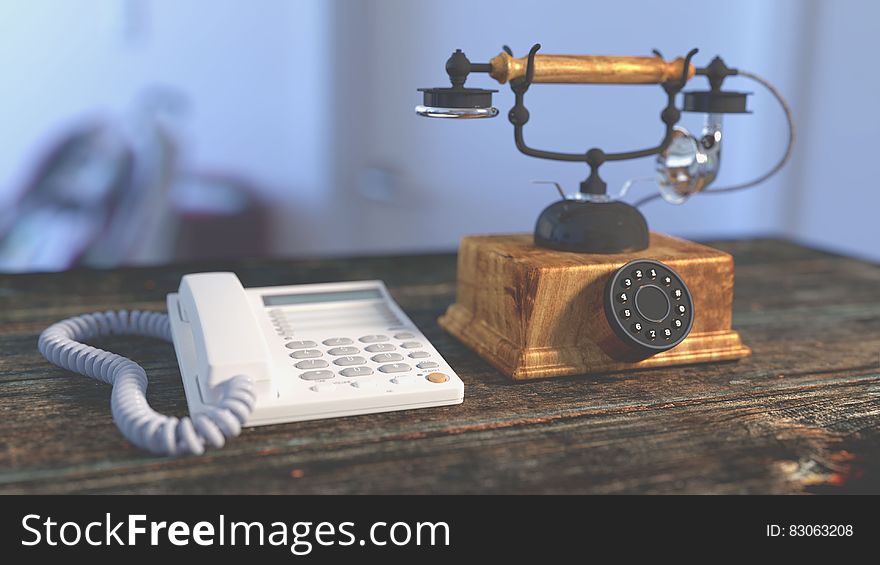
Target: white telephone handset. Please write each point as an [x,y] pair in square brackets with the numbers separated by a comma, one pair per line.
[226,338]
[258,356]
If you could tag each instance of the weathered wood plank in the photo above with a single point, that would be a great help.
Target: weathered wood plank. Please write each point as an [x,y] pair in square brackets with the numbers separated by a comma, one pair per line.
[801,414]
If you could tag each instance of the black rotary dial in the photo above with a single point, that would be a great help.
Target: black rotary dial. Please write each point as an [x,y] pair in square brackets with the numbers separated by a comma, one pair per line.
[649,306]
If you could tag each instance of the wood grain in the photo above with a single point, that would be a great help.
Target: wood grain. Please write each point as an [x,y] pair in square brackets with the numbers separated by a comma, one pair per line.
[589,69]
[802,414]
[537,313]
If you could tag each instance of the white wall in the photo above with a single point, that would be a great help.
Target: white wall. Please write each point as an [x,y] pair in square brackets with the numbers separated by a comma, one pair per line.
[450,178]
[254,74]
[836,199]
[314,100]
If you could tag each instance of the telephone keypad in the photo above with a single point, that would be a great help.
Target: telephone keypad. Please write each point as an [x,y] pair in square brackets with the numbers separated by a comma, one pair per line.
[655,313]
[345,357]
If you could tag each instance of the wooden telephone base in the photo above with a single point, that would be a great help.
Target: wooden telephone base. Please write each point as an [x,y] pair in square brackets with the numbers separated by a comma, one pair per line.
[535,313]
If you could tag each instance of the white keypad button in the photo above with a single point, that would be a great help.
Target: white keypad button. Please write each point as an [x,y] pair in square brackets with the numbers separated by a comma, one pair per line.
[373,338]
[419,354]
[316,375]
[404,335]
[427,365]
[403,380]
[364,383]
[299,344]
[343,351]
[377,347]
[387,357]
[395,368]
[356,372]
[311,364]
[410,345]
[324,387]
[334,341]
[349,360]
[305,354]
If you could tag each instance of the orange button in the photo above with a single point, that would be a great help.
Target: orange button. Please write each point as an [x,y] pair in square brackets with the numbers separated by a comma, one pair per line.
[437,377]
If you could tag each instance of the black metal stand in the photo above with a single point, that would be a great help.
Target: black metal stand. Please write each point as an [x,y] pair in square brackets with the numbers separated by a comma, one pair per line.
[595,157]
[594,223]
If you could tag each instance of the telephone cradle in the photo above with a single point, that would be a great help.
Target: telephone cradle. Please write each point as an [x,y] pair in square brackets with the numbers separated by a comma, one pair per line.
[534,312]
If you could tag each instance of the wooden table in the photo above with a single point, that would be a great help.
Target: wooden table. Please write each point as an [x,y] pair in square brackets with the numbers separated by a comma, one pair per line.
[801,415]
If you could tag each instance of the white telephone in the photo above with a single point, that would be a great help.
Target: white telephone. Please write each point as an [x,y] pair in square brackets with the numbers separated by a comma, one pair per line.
[256,356]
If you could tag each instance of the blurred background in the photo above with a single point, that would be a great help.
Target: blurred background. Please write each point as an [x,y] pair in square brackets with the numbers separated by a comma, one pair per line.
[150,131]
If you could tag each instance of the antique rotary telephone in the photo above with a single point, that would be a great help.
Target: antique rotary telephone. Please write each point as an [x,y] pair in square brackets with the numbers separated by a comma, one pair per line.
[594,237]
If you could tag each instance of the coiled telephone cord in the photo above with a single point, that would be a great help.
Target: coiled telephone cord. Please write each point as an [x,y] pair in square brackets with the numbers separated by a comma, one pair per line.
[61,344]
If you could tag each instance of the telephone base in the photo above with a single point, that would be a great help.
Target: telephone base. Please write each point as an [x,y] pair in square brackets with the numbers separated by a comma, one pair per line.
[303,331]
[535,313]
